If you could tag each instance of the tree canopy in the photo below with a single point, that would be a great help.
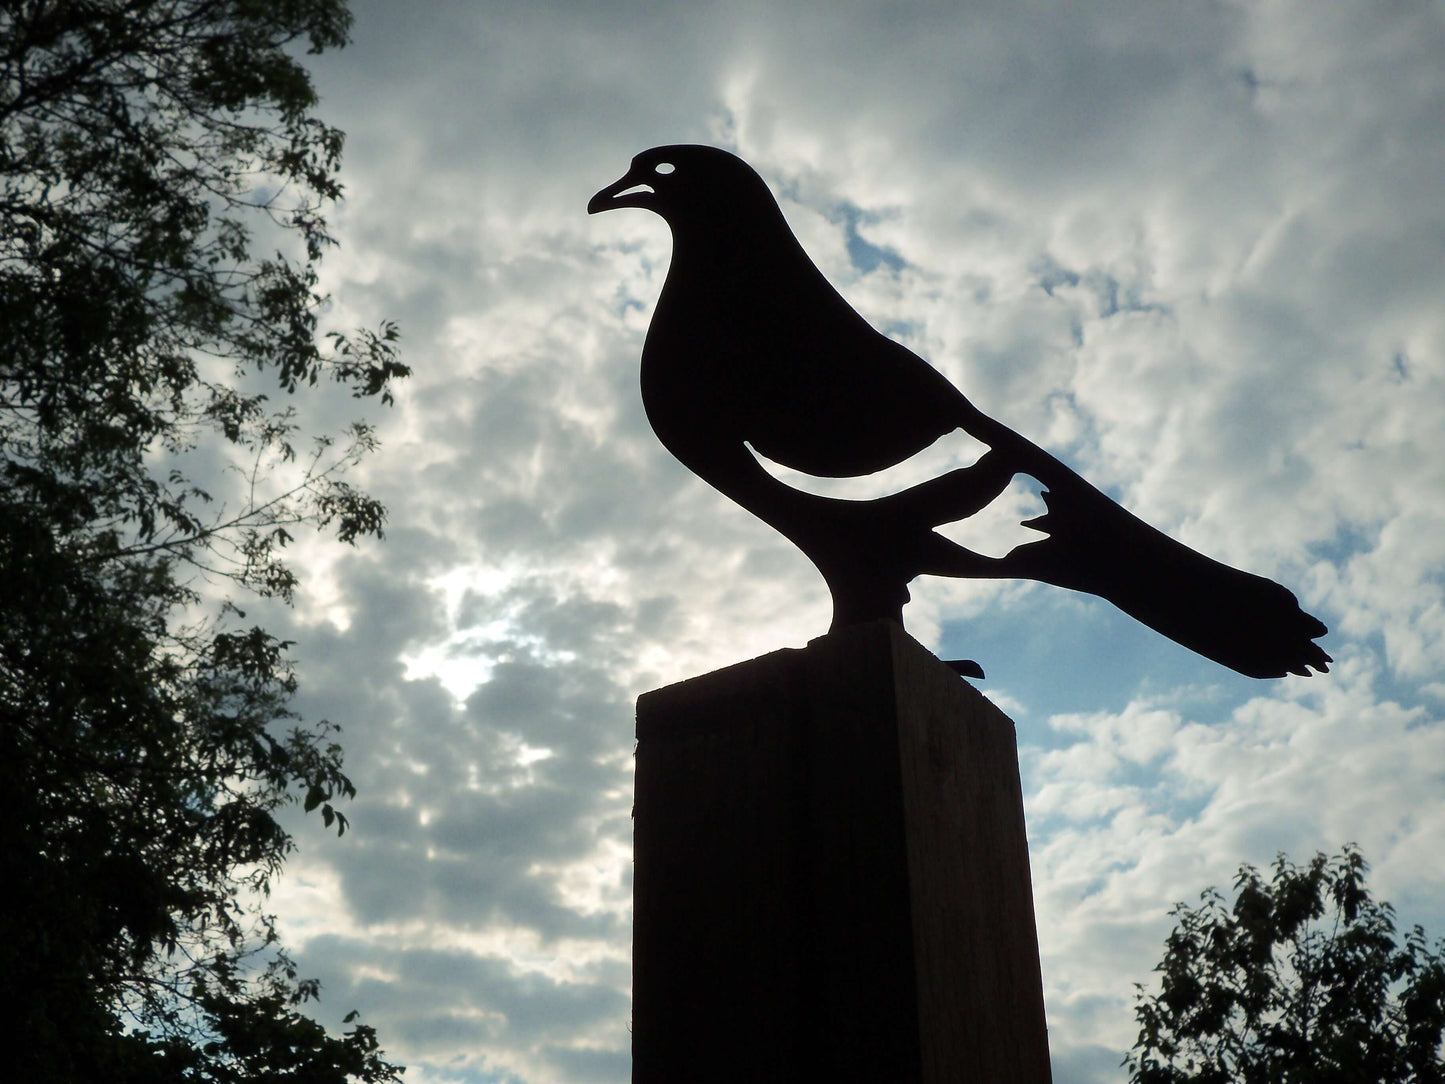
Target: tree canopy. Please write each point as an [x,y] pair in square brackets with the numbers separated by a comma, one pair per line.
[163,189]
[1303,980]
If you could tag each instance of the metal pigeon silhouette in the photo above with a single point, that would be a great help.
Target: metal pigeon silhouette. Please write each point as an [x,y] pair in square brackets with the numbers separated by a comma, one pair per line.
[751,345]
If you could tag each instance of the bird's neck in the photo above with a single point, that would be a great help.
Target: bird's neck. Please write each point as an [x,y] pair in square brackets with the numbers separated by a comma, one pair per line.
[753,253]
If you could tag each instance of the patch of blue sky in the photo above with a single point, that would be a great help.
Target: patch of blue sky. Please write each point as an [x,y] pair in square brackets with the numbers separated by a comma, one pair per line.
[1348,540]
[865,256]
[1050,275]
[901,330]
[1111,296]
[868,257]
[1057,654]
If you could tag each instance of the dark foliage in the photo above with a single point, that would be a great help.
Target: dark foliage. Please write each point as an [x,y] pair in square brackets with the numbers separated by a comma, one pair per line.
[1303,981]
[149,150]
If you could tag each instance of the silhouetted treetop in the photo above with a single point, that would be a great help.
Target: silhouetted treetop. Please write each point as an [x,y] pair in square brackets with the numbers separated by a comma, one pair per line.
[1304,979]
[163,188]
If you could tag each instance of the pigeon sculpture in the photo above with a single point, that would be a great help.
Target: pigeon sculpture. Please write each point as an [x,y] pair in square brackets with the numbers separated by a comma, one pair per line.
[750,348]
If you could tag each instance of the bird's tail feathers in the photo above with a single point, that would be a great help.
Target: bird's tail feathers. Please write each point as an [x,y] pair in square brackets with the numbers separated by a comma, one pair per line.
[1246,622]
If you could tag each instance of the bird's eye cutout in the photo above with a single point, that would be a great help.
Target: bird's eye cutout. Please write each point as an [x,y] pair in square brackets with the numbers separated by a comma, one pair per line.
[663,167]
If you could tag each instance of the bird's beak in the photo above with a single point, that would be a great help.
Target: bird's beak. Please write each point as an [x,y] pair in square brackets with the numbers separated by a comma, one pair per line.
[628,191]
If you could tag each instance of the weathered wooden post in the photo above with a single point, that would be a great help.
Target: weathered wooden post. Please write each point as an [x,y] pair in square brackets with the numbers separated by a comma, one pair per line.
[832,879]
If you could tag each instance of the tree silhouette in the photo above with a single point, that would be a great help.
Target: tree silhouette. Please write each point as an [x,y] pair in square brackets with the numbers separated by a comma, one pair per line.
[1302,981]
[163,183]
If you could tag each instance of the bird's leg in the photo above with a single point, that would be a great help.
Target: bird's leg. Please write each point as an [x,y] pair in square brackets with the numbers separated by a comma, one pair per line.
[857,598]
[868,551]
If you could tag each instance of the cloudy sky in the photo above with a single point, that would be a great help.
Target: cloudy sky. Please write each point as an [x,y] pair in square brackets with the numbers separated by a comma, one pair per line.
[1194,249]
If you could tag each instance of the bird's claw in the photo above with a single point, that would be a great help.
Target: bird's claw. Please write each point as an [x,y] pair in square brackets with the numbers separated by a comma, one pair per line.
[964,667]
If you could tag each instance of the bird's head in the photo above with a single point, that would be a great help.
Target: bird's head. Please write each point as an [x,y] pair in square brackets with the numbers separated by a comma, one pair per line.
[687,183]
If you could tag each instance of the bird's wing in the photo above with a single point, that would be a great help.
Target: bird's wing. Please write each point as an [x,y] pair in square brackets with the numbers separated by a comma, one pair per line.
[849,401]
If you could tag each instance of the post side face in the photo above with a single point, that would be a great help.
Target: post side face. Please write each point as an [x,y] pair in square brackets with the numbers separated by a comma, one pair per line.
[809,828]
[975,938]
[860,931]
[771,917]
[713,956]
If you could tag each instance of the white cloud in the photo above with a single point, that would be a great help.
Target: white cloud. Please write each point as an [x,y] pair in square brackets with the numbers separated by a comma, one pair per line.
[1192,248]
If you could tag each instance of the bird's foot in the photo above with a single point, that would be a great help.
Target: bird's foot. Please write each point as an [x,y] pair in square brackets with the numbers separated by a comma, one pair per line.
[964,667]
